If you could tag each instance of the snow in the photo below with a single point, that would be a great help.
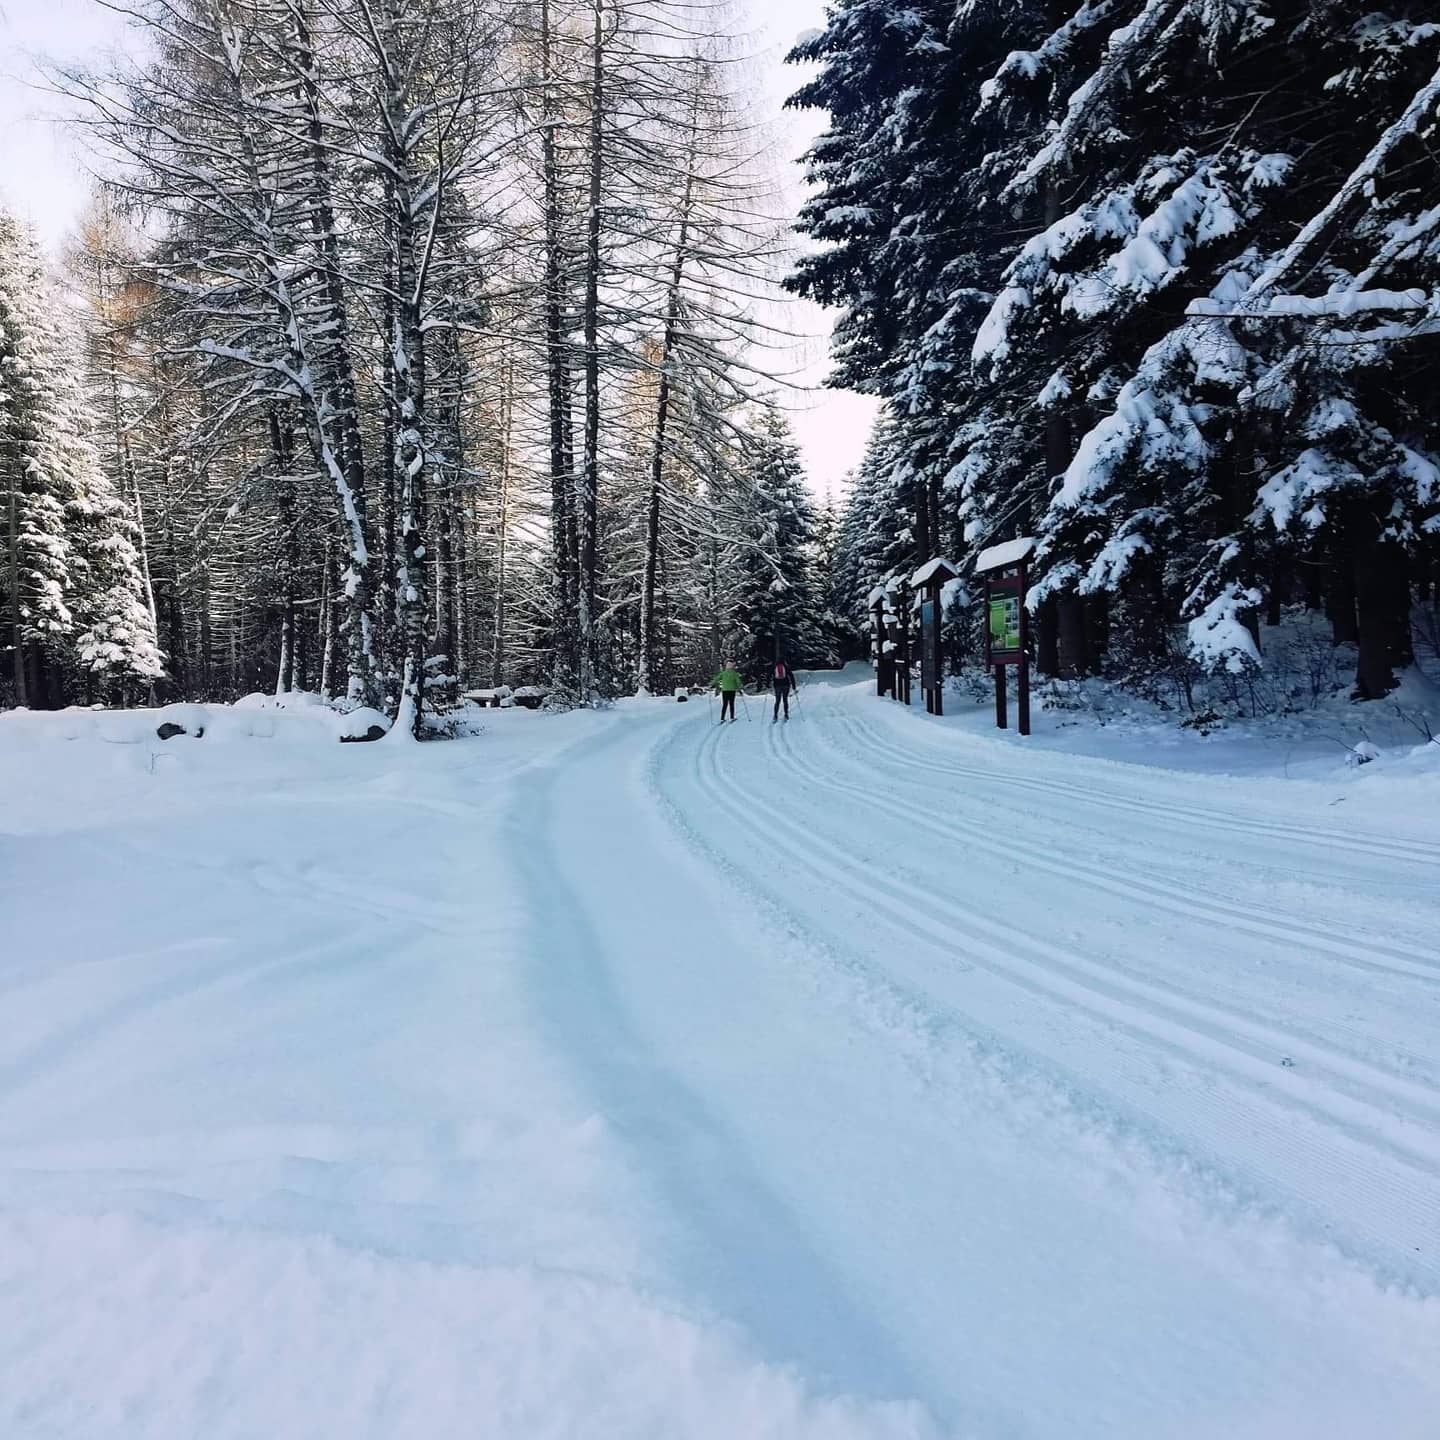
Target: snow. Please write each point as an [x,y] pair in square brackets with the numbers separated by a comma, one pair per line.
[544,1083]
[1055,389]
[1298,489]
[931,568]
[1218,637]
[293,719]
[1340,303]
[1416,114]
[1008,552]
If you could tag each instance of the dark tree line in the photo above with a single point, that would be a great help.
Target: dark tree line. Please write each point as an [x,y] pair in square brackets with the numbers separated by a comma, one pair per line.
[1158,282]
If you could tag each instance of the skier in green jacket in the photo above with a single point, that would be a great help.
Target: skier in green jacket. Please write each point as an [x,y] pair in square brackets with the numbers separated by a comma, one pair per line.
[728,683]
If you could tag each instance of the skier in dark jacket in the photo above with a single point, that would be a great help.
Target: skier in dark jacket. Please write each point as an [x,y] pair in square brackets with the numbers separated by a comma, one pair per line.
[784,683]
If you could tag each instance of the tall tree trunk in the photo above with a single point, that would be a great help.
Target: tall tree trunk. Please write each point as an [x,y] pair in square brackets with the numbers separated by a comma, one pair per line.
[667,677]
[924,541]
[1340,593]
[36,677]
[305,371]
[413,247]
[590,464]
[932,503]
[341,402]
[507,410]
[1097,628]
[662,408]
[300,669]
[17,627]
[646,647]
[446,603]
[328,622]
[1402,640]
[282,446]
[1072,648]
[1374,611]
[387,603]
[1069,651]
[1276,590]
[465,593]
[564,617]
[452,606]
[1047,638]
[207,635]
[127,480]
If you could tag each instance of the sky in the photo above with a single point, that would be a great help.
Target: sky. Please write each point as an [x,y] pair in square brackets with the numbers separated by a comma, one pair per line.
[43,178]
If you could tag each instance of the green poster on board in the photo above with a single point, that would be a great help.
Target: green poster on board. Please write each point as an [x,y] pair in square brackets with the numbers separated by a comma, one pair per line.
[1004,622]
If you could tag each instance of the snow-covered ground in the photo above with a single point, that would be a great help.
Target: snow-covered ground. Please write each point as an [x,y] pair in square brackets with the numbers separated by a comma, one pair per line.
[619,1075]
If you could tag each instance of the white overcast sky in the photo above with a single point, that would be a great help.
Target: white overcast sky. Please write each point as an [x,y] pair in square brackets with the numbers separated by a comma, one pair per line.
[43,178]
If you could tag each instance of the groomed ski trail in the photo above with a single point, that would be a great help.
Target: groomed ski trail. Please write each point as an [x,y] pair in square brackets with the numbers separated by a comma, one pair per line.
[917,1134]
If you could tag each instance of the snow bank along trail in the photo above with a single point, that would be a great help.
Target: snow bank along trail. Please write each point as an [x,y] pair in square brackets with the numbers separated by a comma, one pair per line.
[624,1075]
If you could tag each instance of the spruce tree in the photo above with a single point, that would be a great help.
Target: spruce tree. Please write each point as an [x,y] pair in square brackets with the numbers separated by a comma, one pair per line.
[777,609]
[79,626]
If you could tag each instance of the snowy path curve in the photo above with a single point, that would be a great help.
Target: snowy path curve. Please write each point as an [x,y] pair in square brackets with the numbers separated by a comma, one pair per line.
[1352,1154]
[837,1080]
[935,1108]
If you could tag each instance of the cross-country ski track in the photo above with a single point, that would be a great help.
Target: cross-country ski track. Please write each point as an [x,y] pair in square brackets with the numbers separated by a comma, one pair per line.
[624,1074]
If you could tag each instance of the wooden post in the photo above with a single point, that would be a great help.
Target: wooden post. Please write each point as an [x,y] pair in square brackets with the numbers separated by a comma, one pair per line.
[936,694]
[1022,689]
[877,612]
[927,583]
[1001,719]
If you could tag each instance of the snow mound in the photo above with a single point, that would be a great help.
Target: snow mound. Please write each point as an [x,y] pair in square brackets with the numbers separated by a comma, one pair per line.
[293,1337]
[292,718]
[357,724]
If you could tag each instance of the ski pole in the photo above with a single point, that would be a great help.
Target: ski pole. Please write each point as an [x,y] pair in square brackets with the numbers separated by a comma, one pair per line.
[746,701]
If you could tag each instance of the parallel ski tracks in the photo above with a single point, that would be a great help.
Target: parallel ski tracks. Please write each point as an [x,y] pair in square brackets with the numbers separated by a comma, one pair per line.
[1376,1113]
[1167,898]
[1378,847]
[1101,984]
[1374,956]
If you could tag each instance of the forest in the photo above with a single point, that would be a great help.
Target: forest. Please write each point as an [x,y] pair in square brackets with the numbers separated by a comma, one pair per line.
[407,345]
[416,345]
[1158,283]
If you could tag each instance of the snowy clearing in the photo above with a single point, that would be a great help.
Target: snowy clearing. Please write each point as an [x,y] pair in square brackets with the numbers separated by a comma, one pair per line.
[618,1074]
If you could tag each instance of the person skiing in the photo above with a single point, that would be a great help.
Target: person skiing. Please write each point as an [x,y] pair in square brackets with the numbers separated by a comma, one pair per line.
[785,682]
[728,683]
